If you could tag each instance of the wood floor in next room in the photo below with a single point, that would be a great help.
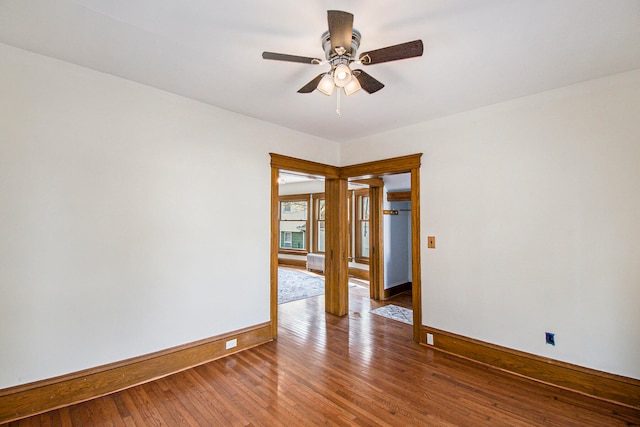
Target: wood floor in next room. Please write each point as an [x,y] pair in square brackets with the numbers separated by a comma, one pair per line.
[360,369]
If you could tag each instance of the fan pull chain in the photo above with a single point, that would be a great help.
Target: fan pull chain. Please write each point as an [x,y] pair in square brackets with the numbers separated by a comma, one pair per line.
[338,104]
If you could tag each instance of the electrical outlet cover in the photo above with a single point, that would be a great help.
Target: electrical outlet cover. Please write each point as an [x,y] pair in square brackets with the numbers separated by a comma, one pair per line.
[550,338]
[430,339]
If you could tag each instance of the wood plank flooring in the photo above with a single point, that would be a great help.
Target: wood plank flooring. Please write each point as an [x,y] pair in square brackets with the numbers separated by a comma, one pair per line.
[357,370]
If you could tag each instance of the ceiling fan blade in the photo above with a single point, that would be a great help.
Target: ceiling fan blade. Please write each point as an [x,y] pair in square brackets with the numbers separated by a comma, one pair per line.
[340,29]
[367,83]
[290,58]
[393,53]
[312,85]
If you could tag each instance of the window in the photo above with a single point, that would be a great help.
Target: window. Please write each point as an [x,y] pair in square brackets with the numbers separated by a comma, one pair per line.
[319,224]
[303,224]
[362,226]
[294,223]
[287,239]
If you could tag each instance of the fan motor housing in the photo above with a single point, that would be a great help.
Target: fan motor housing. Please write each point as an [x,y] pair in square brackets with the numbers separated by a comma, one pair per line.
[326,45]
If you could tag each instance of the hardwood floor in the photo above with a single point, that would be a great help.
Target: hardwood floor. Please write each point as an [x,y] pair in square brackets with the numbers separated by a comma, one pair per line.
[360,369]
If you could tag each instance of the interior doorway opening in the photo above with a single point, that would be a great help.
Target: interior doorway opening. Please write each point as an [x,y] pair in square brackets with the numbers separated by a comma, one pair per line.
[338,246]
[395,245]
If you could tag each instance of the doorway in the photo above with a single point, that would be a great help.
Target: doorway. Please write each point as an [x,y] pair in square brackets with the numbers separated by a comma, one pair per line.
[337,241]
[397,238]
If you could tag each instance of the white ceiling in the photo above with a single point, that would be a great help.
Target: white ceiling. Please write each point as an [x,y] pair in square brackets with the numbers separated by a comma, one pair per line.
[477,52]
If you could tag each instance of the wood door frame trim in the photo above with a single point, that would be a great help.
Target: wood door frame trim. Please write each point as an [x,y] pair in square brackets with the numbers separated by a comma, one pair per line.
[274,247]
[304,166]
[390,166]
[399,196]
[416,270]
[336,240]
[376,243]
[405,164]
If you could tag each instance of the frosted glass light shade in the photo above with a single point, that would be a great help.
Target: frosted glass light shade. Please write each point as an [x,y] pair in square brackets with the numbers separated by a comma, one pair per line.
[326,85]
[352,87]
[342,75]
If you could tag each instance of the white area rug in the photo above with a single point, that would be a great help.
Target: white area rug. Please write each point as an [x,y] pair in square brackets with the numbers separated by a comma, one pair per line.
[294,285]
[395,312]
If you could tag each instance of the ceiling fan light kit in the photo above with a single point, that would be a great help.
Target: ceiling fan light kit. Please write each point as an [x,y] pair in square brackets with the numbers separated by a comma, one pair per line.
[352,87]
[340,44]
[326,84]
[342,75]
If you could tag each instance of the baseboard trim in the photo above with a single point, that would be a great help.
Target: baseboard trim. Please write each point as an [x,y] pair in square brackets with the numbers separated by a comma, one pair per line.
[289,262]
[359,273]
[301,263]
[34,398]
[398,289]
[602,385]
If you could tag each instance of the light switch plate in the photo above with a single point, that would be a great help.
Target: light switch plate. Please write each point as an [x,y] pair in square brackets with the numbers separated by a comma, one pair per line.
[431,242]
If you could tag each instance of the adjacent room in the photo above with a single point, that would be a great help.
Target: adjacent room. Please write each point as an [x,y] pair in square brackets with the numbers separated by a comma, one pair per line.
[448,190]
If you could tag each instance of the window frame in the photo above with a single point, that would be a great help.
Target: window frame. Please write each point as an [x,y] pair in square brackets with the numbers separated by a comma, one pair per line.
[316,198]
[358,221]
[295,198]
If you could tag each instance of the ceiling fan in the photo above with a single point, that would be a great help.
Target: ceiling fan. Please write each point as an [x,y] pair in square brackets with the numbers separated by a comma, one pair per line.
[340,44]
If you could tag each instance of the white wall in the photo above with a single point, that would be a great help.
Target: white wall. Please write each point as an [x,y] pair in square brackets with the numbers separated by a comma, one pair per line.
[124,222]
[535,204]
[127,216]
[305,187]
